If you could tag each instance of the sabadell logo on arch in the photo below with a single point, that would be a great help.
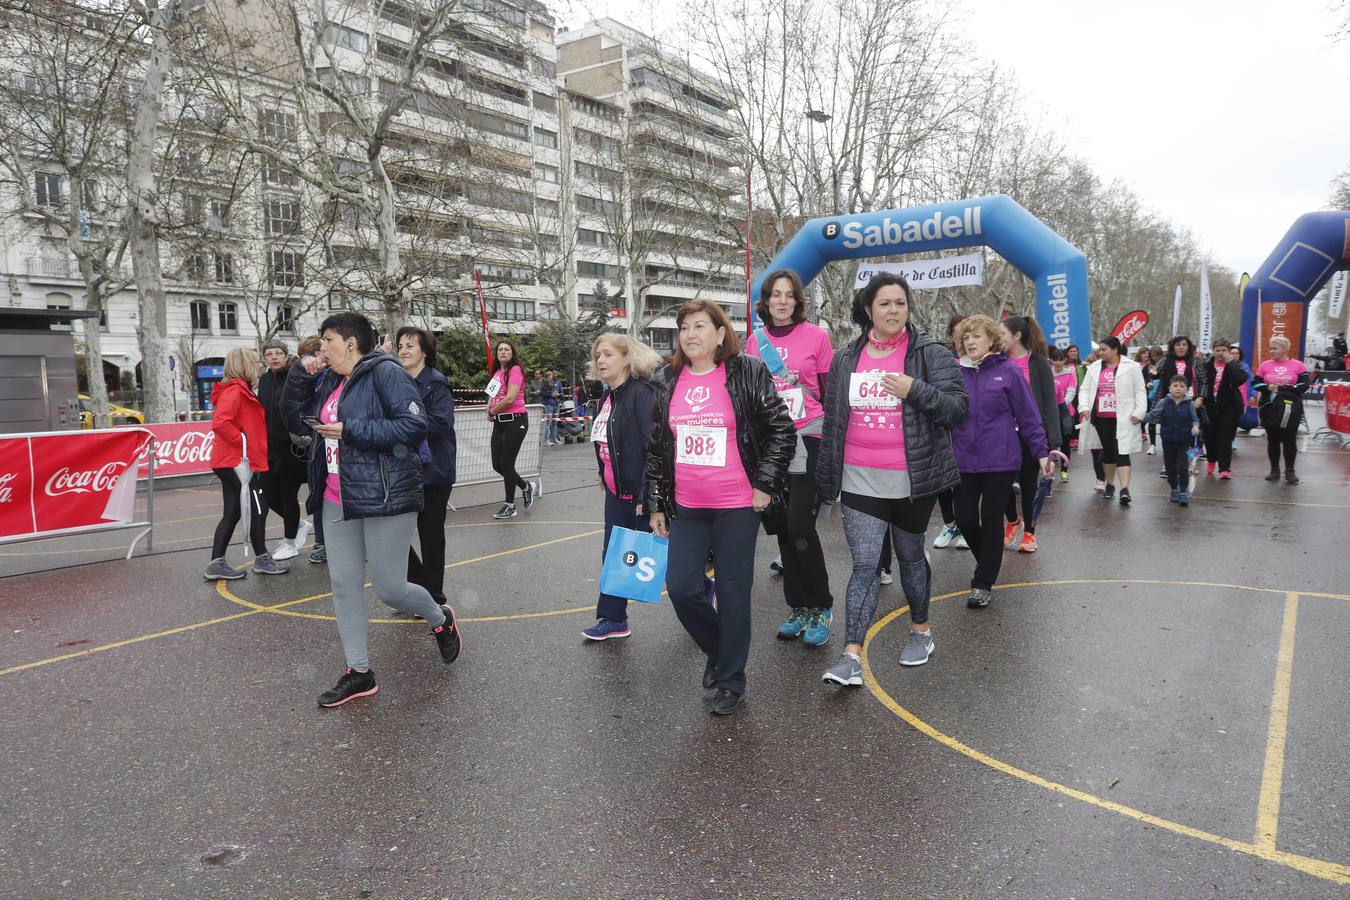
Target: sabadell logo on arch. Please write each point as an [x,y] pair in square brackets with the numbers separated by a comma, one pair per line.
[898,232]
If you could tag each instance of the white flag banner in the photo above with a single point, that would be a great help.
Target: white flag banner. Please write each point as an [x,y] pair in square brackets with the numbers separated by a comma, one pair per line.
[1337,295]
[1176,313]
[1206,312]
[949,271]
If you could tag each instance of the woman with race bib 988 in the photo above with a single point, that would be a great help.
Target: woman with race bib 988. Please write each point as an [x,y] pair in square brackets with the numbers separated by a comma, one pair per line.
[721,443]
[620,434]
[806,354]
[894,395]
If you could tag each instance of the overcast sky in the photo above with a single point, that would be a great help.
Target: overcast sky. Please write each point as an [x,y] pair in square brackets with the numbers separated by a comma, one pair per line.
[1229,117]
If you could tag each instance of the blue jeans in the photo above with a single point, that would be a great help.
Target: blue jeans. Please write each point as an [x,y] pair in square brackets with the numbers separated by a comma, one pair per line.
[618,514]
[550,420]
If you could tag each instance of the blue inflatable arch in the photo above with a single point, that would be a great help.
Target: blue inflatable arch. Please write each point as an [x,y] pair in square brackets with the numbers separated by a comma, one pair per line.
[1276,299]
[998,222]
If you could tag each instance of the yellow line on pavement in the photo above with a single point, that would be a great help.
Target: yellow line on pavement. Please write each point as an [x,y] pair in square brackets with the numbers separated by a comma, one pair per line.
[1272,777]
[1317,867]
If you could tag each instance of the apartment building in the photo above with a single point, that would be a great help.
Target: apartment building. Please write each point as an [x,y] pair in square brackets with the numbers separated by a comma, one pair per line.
[652,177]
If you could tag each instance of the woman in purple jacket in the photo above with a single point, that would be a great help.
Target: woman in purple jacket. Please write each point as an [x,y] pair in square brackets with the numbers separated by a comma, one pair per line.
[988,446]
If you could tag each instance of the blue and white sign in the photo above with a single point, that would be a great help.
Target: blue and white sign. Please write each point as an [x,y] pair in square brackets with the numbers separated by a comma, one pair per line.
[998,222]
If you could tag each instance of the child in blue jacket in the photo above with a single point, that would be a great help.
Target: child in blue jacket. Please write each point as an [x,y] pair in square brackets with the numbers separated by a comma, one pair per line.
[1176,413]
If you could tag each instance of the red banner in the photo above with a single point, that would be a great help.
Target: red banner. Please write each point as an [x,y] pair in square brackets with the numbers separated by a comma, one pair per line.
[1129,325]
[62,480]
[1338,406]
[181,448]
[1278,317]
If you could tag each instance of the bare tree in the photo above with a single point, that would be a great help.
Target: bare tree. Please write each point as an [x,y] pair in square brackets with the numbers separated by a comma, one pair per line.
[63,120]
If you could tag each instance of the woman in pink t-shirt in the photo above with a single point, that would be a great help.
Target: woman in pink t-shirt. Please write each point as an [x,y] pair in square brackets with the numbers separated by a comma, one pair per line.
[721,443]
[506,409]
[804,353]
[1281,382]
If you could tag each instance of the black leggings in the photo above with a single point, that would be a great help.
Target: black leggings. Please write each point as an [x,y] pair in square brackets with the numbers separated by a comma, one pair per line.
[947,503]
[805,579]
[281,487]
[980,501]
[429,569]
[1106,433]
[230,490]
[1028,478]
[1287,438]
[506,440]
[1223,423]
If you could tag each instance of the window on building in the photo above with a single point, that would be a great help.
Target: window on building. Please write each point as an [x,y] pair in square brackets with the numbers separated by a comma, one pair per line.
[278,125]
[545,67]
[546,207]
[597,173]
[494,271]
[547,173]
[218,214]
[596,141]
[275,173]
[496,124]
[225,268]
[350,38]
[194,209]
[286,318]
[281,216]
[194,267]
[47,188]
[88,193]
[545,138]
[228,317]
[201,315]
[546,102]
[594,205]
[594,238]
[588,269]
[288,269]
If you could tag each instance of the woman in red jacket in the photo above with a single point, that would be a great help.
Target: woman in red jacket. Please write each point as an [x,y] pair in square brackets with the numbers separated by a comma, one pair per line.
[239,454]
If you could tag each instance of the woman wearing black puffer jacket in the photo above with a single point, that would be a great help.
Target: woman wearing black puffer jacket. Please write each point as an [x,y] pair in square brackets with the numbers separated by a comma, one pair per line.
[365,477]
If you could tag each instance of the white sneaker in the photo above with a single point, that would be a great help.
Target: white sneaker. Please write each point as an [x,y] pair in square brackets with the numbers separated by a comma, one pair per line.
[285,550]
[1152,450]
[945,537]
[302,533]
[1099,486]
[887,577]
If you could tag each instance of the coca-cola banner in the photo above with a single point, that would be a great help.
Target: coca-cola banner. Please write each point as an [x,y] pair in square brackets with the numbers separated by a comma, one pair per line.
[181,448]
[71,479]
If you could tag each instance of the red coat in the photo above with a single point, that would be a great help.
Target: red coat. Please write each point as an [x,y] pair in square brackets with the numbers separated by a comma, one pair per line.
[237,414]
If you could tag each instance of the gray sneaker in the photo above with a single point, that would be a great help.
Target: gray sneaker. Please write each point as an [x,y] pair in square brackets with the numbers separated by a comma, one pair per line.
[846,672]
[266,565]
[978,599]
[508,511]
[917,649]
[220,570]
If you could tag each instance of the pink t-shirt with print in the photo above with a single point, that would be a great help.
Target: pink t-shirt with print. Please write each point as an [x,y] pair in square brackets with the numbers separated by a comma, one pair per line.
[1064,381]
[517,378]
[1106,393]
[600,437]
[807,353]
[332,489]
[1280,372]
[1024,364]
[876,426]
[708,469]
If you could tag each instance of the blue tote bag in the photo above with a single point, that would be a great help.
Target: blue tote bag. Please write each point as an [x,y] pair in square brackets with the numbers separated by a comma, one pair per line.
[635,566]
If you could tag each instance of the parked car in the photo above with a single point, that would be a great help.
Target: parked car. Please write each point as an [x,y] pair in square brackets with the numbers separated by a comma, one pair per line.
[121,415]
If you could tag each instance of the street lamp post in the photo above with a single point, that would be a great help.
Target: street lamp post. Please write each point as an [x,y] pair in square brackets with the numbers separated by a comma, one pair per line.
[812,117]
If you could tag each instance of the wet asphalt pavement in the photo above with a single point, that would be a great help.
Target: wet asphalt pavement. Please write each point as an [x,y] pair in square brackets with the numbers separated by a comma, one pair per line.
[1154,705]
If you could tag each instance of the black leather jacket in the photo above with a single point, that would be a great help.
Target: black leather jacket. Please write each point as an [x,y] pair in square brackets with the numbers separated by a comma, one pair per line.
[765,435]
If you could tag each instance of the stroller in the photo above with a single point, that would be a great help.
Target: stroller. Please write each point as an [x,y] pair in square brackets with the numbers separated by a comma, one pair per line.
[571,432]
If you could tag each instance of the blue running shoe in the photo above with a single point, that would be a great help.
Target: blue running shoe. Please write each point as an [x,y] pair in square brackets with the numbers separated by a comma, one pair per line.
[794,626]
[817,630]
[1176,495]
[605,629]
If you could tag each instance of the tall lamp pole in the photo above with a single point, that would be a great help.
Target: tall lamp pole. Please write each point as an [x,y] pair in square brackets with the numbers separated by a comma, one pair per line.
[812,117]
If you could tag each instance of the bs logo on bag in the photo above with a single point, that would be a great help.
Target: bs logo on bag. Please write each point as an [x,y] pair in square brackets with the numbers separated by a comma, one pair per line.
[646,566]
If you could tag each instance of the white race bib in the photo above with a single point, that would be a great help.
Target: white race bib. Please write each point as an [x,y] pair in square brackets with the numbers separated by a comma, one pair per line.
[600,427]
[795,401]
[701,445]
[1106,403]
[866,391]
[330,454]
[494,387]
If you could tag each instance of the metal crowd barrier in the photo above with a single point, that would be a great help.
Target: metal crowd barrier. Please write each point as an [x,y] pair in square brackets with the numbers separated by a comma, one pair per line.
[473,454]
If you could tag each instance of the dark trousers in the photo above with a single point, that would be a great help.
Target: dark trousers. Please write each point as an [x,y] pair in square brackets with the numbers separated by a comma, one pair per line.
[1219,437]
[230,490]
[806,582]
[429,570]
[618,514]
[1286,438]
[980,501]
[723,634]
[506,440]
[1106,435]
[947,503]
[1177,465]
[281,488]
[1028,479]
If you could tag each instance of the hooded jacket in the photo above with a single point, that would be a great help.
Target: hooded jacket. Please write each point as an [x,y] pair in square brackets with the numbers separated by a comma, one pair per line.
[1002,417]
[383,424]
[1176,419]
[236,414]
[765,435]
[439,448]
[1226,395]
[935,405]
[271,391]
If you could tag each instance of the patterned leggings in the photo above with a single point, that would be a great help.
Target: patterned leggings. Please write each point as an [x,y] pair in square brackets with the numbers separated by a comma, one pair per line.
[866,521]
